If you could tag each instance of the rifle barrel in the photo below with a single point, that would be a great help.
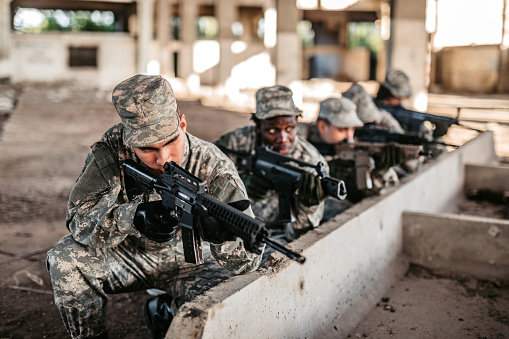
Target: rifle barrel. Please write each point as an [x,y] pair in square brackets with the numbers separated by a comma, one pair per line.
[286,251]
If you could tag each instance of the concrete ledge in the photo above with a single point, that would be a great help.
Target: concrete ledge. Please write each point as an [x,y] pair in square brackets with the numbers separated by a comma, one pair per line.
[458,243]
[492,177]
[352,260]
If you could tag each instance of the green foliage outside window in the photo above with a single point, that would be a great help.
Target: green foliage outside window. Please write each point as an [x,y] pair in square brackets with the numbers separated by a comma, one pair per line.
[306,33]
[207,27]
[36,21]
[364,34]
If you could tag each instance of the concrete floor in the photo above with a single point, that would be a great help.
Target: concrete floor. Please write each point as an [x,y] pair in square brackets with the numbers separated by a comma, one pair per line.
[425,304]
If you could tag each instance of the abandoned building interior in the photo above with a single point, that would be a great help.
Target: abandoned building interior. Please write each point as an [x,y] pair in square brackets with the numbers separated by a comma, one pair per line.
[69,55]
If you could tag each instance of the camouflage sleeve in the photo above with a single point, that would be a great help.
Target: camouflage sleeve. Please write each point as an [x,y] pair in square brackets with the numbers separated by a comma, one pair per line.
[426,132]
[308,217]
[227,141]
[390,122]
[94,216]
[232,255]
[224,141]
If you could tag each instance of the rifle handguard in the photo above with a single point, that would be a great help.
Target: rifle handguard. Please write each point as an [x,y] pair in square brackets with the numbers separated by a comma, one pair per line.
[248,229]
[334,188]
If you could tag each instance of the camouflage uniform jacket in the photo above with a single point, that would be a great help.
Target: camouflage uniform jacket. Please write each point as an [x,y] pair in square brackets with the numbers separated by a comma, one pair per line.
[387,120]
[245,139]
[99,213]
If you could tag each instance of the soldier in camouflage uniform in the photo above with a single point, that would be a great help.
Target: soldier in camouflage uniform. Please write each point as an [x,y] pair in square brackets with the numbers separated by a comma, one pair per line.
[276,126]
[393,92]
[336,123]
[119,244]
[395,89]
[368,112]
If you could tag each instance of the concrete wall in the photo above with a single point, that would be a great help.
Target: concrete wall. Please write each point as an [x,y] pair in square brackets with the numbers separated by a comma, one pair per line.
[45,58]
[492,177]
[472,69]
[458,243]
[353,64]
[351,261]
[356,64]
[408,44]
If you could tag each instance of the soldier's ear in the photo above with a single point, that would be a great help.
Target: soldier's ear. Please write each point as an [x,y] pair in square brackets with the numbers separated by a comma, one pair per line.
[183,122]
[321,125]
[257,123]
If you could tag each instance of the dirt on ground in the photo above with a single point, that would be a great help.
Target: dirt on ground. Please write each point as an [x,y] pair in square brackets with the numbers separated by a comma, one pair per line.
[42,149]
[429,304]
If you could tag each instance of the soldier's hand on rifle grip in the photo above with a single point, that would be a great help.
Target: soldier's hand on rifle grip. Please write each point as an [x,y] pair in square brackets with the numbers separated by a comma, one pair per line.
[209,227]
[155,222]
[257,188]
[310,189]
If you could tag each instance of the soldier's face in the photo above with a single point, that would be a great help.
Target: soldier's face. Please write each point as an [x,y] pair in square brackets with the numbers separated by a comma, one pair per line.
[279,133]
[155,156]
[392,101]
[331,134]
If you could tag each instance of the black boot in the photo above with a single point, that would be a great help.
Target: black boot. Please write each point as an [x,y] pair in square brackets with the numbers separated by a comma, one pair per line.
[158,316]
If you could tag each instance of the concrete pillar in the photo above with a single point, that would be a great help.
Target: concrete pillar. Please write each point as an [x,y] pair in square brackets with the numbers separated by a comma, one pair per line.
[226,12]
[5,37]
[164,30]
[288,47]
[503,74]
[408,44]
[145,10]
[189,12]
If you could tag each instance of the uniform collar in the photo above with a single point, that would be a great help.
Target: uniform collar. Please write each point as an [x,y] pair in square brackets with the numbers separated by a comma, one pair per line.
[185,160]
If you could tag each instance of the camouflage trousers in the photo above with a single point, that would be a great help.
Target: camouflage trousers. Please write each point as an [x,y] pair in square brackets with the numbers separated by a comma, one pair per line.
[83,276]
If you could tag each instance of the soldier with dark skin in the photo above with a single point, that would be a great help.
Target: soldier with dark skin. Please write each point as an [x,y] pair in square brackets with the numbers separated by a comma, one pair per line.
[276,126]
[119,243]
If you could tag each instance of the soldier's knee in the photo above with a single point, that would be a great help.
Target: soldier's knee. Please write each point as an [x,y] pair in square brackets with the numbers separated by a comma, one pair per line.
[60,257]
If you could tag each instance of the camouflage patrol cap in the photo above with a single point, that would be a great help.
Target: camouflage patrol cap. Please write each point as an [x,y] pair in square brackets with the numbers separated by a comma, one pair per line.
[340,112]
[398,83]
[275,101]
[148,110]
[366,108]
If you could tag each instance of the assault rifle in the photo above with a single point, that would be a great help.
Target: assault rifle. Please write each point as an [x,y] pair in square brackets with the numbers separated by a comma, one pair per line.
[284,173]
[360,153]
[371,133]
[411,121]
[181,192]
